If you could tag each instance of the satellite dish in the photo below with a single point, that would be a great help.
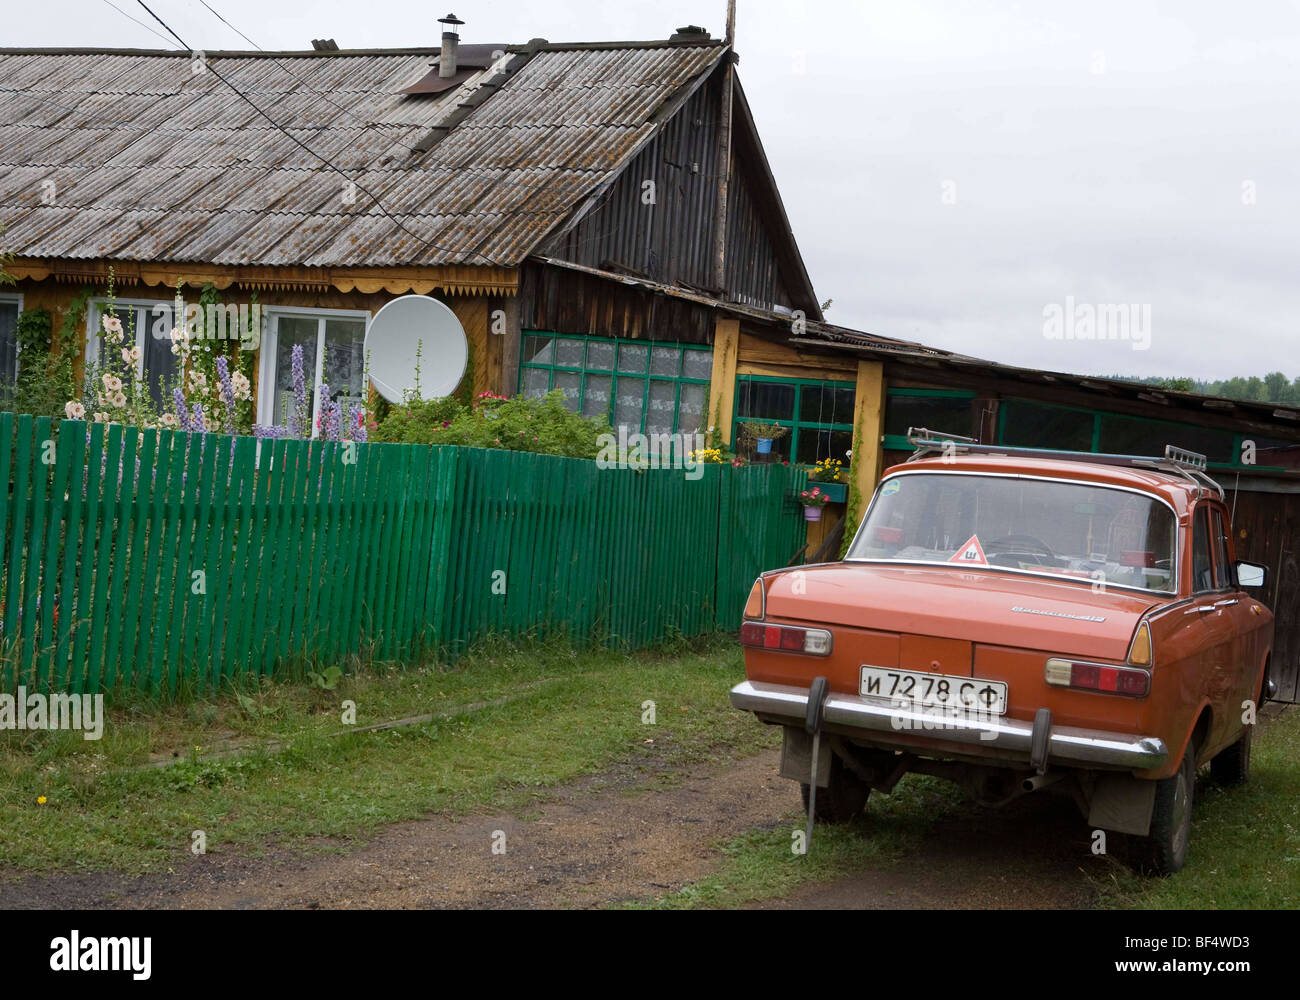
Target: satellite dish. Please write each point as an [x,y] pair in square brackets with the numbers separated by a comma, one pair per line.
[401,328]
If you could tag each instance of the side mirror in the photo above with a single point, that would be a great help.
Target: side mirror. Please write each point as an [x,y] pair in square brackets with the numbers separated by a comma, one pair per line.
[1251,575]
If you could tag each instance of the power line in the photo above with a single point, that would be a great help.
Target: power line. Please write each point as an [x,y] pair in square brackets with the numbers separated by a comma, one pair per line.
[392,218]
[149,28]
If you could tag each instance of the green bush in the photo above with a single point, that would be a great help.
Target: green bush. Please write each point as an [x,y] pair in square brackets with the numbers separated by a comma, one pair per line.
[544,426]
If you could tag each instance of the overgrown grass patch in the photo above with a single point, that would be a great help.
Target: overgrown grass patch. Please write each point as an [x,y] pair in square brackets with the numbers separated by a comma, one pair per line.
[274,766]
[1245,846]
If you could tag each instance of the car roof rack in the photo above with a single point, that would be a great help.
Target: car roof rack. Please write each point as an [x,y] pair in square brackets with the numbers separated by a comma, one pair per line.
[1189,465]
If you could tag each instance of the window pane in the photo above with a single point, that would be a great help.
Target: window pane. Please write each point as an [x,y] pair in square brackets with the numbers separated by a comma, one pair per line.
[690,408]
[814,445]
[293,331]
[826,404]
[633,358]
[697,364]
[765,400]
[629,403]
[1202,573]
[570,383]
[537,382]
[538,350]
[665,361]
[600,355]
[595,401]
[937,413]
[1131,436]
[160,364]
[345,361]
[663,406]
[1035,425]
[1222,572]
[568,353]
[8,341]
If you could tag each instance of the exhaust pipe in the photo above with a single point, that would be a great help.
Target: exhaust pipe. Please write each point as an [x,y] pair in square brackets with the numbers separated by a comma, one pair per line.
[1037,782]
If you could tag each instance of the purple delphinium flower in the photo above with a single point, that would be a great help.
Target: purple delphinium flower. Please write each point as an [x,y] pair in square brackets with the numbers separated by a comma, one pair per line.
[196,419]
[182,413]
[227,393]
[330,425]
[298,419]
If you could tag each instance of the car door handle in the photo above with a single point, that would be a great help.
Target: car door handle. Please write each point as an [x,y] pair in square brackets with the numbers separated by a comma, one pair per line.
[1227,603]
[1200,609]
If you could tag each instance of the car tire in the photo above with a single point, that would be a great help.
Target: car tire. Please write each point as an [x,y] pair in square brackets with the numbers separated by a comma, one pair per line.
[1232,764]
[843,800]
[1171,820]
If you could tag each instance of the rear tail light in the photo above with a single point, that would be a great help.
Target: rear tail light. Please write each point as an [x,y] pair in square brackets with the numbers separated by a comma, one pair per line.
[786,638]
[1139,654]
[755,604]
[1098,677]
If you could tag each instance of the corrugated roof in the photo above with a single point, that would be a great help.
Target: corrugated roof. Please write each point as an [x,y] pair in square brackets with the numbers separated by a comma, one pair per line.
[153,161]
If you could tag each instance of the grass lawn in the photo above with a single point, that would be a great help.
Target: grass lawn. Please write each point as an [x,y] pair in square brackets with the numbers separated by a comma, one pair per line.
[277,768]
[1245,848]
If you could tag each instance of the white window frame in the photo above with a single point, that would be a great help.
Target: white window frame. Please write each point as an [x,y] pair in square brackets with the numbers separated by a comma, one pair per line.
[94,328]
[17,299]
[270,347]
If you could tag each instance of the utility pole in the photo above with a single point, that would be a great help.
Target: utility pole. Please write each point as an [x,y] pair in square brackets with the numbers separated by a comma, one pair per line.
[724,154]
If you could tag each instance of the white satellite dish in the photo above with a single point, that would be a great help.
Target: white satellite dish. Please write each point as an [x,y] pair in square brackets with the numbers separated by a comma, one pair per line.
[403,327]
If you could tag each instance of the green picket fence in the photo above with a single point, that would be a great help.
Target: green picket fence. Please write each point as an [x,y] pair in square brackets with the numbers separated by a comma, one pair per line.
[158,558]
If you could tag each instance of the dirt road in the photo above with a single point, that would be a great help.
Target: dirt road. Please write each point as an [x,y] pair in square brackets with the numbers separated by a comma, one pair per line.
[605,841]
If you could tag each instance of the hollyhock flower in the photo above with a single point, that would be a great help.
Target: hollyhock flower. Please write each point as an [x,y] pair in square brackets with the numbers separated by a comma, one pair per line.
[75,411]
[112,383]
[112,325]
[119,399]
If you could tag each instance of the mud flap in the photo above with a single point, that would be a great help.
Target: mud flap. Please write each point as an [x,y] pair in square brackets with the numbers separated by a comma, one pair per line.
[796,758]
[1122,803]
[817,695]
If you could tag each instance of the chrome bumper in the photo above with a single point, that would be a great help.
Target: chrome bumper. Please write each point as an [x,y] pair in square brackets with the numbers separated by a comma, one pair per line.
[1077,747]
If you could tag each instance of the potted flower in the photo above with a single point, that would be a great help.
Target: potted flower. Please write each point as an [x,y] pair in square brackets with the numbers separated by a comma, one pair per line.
[762,434]
[832,477]
[813,501]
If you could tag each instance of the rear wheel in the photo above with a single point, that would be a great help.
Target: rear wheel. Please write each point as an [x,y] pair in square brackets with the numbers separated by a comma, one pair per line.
[843,799]
[1232,765]
[1171,821]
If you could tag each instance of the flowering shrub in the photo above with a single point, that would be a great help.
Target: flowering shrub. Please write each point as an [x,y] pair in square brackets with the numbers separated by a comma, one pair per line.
[206,394]
[544,426]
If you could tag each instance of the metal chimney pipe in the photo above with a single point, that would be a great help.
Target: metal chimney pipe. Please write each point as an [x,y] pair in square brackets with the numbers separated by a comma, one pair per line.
[450,42]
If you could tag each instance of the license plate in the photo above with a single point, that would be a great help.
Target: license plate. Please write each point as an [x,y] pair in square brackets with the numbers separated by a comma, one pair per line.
[942,691]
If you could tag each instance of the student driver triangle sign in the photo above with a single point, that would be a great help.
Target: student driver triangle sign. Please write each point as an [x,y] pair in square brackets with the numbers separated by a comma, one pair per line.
[971,554]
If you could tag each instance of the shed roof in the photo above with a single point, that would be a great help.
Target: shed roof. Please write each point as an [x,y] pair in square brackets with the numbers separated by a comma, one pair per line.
[143,155]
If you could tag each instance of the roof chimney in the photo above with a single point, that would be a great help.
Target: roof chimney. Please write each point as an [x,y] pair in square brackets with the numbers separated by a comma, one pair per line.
[450,42]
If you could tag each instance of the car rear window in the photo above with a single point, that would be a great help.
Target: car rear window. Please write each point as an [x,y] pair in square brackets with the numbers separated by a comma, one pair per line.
[1094,534]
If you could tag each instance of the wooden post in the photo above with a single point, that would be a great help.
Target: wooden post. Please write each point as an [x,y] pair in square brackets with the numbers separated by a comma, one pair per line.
[724,156]
[722,391]
[868,435]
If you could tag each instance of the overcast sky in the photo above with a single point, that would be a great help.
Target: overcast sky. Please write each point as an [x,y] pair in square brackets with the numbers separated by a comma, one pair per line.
[952,169]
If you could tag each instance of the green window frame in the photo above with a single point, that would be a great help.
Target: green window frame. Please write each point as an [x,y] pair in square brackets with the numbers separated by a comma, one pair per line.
[796,425]
[899,442]
[689,358]
[1171,430]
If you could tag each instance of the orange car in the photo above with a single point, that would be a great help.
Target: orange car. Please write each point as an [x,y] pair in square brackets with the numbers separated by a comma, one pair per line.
[1014,620]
